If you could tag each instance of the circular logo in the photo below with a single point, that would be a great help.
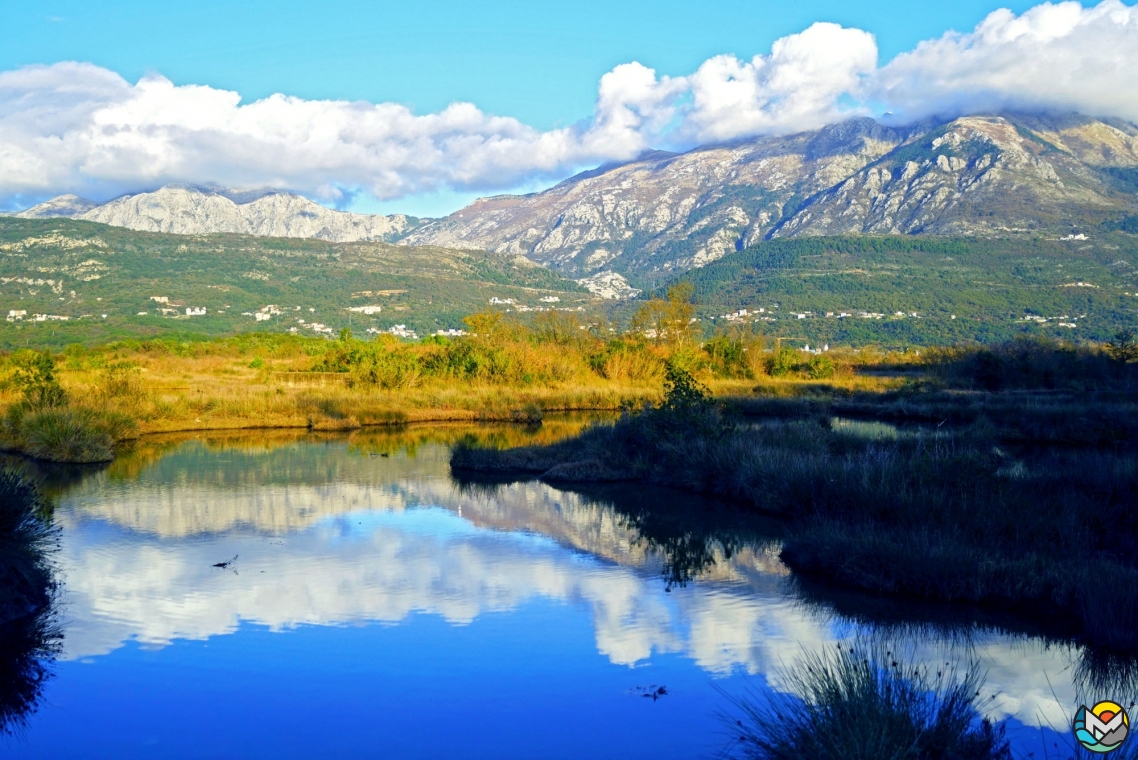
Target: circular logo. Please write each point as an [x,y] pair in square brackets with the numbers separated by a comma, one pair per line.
[1102,728]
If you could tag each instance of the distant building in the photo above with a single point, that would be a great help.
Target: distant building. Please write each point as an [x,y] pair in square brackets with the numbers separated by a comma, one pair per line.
[399,331]
[368,310]
[195,311]
[17,315]
[157,299]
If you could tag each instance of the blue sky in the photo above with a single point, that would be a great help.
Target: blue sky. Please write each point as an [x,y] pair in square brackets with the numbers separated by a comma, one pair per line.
[539,63]
[536,61]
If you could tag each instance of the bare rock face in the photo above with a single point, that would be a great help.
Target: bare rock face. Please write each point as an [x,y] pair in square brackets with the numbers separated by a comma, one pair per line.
[979,175]
[184,209]
[671,212]
[608,285]
[69,206]
[665,211]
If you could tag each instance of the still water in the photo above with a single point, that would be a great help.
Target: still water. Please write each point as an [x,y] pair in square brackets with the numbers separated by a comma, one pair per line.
[374,606]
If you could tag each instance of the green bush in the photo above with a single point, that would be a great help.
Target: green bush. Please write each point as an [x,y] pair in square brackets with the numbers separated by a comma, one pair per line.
[727,357]
[35,377]
[783,362]
[820,367]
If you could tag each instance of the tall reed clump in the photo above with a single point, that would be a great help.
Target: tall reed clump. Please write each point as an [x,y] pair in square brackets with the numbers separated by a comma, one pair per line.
[49,424]
[29,634]
[864,702]
[26,540]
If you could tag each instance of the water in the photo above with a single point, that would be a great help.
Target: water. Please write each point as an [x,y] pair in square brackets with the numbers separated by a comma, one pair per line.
[377,607]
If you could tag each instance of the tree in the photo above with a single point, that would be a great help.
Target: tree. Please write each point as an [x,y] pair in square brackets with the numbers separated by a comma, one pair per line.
[1123,348]
[669,321]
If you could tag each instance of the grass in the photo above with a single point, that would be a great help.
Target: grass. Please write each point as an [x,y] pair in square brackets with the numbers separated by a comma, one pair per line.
[863,702]
[89,400]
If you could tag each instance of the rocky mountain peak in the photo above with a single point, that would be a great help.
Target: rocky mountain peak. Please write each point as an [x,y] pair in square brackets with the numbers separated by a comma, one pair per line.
[193,209]
[664,212]
[62,206]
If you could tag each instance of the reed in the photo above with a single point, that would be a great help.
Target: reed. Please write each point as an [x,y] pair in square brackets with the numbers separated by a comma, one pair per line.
[866,702]
[26,540]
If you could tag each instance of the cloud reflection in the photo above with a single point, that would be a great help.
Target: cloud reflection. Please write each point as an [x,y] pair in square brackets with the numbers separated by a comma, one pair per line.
[336,538]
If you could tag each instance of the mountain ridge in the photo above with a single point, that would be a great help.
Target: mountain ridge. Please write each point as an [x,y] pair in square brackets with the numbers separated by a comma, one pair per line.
[195,209]
[662,214]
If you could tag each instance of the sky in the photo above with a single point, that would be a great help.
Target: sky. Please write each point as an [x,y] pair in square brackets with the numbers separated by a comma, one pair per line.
[420,107]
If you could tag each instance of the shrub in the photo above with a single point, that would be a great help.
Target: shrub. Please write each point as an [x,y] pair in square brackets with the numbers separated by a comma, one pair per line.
[782,363]
[67,434]
[732,355]
[119,381]
[626,360]
[1035,363]
[820,367]
[35,377]
[864,702]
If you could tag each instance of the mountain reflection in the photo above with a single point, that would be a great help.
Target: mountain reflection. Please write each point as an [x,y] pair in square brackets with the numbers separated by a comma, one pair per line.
[372,528]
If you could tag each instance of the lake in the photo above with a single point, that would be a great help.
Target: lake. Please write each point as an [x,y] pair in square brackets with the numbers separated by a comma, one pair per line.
[372,605]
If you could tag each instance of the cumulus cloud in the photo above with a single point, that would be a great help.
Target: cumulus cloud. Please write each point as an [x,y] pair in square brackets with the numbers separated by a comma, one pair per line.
[74,127]
[1053,57]
[796,87]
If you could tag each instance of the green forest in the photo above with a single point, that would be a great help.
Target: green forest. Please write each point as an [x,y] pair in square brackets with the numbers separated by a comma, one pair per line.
[997,289]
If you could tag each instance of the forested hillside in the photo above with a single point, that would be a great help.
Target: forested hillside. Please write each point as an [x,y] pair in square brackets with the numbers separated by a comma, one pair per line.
[906,290]
[105,280]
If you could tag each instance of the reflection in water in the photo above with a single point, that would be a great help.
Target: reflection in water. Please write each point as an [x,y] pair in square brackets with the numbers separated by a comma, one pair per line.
[28,636]
[347,531]
[28,647]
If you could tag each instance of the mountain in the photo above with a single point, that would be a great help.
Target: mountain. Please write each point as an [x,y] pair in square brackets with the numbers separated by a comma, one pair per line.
[665,213]
[64,205]
[187,209]
[977,176]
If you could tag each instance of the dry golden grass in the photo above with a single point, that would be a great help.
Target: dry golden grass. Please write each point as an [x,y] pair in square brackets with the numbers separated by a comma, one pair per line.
[270,382]
[222,392]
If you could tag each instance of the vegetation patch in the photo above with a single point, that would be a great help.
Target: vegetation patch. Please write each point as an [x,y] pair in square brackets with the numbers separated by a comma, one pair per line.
[866,701]
[950,513]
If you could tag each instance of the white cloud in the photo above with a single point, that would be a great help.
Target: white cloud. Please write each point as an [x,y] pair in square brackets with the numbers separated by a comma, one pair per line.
[1053,57]
[796,87]
[74,127]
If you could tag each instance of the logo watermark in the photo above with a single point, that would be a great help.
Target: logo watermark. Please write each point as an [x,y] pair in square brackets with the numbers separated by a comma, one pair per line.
[1102,728]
